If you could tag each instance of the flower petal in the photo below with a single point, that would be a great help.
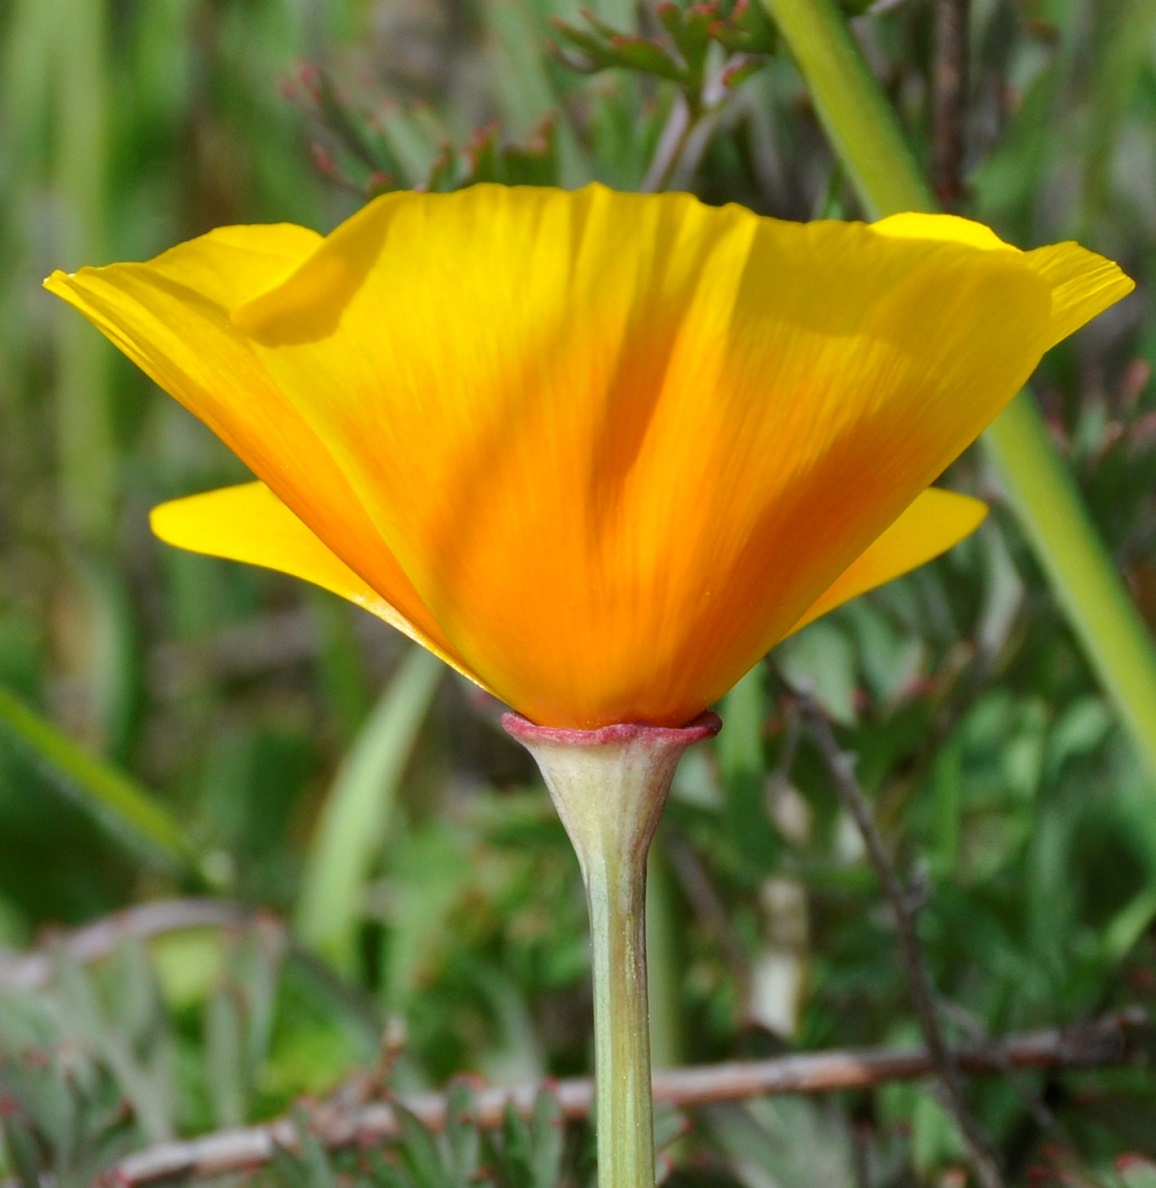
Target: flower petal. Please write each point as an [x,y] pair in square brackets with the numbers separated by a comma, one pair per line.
[249,523]
[615,412]
[1083,284]
[935,522]
[171,317]
[943,227]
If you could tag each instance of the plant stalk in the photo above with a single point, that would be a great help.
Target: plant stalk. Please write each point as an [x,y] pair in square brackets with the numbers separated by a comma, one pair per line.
[609,787]
[614,871]
[869,141]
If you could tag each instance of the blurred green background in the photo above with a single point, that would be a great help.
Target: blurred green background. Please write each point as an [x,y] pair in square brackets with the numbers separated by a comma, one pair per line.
[174,725]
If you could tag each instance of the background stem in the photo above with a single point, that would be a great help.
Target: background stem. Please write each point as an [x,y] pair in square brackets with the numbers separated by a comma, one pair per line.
[868,140]
[842,769]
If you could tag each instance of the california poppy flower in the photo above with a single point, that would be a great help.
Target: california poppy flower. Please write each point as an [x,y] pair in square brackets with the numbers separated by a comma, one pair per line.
[598,451]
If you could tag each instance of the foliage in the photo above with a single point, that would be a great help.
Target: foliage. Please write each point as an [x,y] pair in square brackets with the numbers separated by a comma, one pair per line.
[219,715]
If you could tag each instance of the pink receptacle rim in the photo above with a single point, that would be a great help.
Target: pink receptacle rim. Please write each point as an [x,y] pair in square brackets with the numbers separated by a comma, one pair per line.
[706,725]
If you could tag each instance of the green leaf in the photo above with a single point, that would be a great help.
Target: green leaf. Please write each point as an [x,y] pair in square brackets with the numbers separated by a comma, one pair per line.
[1128,927]
[690,30]
[314,1159]
[547,1141]
[640,53]
[289,1170]
[21,1148]
[131,812]
[524,87]
[87,1018]
[419,1151]
[670,1124]
[596,50]
[526,94]
[744,770]
[414,138]
[738,72]
[354,821]
[516,1146]
[822,659]
[224,1055]
[462,1135]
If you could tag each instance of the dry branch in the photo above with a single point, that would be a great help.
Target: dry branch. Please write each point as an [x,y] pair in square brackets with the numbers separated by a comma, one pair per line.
[841,766]
[93,942]
[1095,1044]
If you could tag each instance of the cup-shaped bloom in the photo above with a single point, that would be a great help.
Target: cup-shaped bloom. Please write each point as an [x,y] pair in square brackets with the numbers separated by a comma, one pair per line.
[599,451]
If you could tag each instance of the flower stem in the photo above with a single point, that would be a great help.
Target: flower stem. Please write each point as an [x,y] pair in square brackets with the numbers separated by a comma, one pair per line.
[609,787]
[614,870]
[868,140]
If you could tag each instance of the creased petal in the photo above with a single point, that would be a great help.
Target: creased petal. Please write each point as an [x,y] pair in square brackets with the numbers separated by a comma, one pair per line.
[935,522]
[171,317]
[942,227]
[616,412]
[249,523]
[1083,284]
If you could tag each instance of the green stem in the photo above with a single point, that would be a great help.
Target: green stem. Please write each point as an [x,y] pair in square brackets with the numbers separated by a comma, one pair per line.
[867,137]
[609,787]
[614,870]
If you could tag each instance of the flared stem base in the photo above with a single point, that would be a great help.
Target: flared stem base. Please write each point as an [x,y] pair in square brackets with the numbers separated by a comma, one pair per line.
[609,787]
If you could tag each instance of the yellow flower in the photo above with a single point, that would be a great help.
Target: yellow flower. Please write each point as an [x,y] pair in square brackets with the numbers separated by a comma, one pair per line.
[598,451]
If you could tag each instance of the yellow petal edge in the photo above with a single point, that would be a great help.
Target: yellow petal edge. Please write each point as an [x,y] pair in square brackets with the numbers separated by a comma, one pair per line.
[937,521]
[249,523]
[1083,284]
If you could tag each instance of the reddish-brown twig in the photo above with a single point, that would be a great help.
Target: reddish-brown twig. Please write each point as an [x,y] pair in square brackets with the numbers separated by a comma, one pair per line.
[842,768]
[1090,1045]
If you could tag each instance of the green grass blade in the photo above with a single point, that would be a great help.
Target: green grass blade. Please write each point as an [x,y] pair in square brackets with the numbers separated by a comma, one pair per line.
[1053,516]
[744,771]
[526,93]
[349,835]
[868,140]
[852,107]
[88,455]
[112,795]
[665,963]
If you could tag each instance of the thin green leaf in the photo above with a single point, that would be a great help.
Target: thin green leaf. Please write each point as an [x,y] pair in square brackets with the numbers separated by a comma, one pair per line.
[112,796]
[642,54]
[21,1147]
[224,1057]
[462,1134]
[741,756]
[350,834]
[315,1160]
[547,1141]
[419,1151]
